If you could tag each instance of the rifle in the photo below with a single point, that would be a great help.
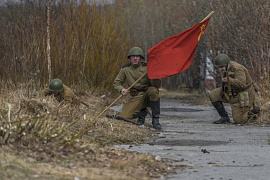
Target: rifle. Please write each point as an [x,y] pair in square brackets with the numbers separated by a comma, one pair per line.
[227,91]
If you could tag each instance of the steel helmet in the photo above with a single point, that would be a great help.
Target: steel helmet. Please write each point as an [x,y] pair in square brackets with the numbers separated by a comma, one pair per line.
[56,85]
[135,51]
[222,60]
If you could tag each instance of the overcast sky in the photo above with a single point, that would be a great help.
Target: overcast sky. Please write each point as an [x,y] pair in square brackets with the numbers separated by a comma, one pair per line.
[2,2]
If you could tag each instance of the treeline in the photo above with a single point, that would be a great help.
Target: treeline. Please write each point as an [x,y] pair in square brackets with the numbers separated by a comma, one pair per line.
[87,44]
[90,41]
[240,28]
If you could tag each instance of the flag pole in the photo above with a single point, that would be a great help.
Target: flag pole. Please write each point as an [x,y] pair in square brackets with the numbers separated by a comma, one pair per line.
[208,16]
[120,96]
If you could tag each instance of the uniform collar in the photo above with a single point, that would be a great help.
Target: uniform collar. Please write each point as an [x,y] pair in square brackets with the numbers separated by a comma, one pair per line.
[137,65]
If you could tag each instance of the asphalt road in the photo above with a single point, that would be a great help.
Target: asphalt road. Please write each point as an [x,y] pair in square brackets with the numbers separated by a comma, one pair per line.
[203,150]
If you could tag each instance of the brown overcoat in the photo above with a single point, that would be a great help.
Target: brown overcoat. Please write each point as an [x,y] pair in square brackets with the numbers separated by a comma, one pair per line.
[240,81]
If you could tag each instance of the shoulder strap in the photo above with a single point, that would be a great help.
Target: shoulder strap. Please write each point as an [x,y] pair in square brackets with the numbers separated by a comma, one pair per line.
[126,65]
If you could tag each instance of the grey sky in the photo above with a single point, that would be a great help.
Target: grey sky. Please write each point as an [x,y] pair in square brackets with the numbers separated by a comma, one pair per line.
[3,2]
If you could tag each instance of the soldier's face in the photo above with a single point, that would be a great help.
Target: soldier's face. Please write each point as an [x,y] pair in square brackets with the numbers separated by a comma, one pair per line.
[55,92]
[222,69]
[135,59]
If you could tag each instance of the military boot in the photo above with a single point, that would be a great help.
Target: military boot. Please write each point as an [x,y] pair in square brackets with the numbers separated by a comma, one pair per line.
[116,117]
[222,112]
[141,116]
[155,107]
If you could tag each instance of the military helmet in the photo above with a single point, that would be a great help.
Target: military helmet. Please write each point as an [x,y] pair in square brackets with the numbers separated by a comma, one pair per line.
[56,85]
[135,51]
[222,60]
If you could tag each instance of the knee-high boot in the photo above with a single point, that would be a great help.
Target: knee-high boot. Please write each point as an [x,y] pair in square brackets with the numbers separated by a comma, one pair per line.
[142,114]
[222,112]
[155,107]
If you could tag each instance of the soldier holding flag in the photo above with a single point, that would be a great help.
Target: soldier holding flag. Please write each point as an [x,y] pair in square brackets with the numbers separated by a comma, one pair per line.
[143,94]
[169,57]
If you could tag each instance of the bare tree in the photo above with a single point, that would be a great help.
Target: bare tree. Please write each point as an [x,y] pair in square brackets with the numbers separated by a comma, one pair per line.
[48,42]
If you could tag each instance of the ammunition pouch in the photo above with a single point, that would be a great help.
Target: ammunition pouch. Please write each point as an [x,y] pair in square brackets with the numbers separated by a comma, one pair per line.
[244,99]
[134,92]
[234,92]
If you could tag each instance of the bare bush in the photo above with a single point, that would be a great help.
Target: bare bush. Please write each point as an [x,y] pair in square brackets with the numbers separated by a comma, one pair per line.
[87,43]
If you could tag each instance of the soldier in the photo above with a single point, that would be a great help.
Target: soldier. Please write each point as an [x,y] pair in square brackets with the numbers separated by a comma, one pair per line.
[60,91]
[143,94]
[237,90]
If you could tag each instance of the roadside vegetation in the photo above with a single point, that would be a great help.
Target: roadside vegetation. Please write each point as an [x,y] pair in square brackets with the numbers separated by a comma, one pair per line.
[40,139]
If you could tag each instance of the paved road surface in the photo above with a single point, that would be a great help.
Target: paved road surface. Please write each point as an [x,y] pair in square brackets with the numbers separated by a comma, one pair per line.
[203,150]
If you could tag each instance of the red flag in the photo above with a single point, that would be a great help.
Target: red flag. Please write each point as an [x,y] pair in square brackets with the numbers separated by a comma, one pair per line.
[175,54]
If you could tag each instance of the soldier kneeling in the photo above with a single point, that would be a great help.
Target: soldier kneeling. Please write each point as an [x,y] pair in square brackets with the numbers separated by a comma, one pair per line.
[237,90]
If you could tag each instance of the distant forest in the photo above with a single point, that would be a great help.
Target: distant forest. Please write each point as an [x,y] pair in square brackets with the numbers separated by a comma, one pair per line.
[85,43]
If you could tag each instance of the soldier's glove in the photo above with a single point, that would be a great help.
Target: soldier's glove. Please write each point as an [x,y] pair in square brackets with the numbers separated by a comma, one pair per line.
[256,110]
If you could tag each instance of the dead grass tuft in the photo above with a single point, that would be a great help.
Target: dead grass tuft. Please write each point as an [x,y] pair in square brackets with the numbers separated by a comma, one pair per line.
[263,101]
[45,134]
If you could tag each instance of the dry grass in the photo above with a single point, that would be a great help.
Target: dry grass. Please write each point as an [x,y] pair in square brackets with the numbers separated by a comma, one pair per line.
[263,101]
[109,164]
[39,138]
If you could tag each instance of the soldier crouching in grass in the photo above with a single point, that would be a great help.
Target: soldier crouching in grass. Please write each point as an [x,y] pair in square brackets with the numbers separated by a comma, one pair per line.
[61,92]
[143,94]
[237,90]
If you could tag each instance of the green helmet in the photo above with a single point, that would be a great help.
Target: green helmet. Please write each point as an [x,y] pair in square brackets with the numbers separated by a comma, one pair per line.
[222,60]
[135,51]
[56,85]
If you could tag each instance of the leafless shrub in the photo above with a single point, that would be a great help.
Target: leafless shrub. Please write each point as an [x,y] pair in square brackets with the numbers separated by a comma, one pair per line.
[87,43]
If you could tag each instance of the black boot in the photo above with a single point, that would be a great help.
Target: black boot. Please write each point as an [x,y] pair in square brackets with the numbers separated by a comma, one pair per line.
[222,112]
[116,117]
[155,107]
[141,115]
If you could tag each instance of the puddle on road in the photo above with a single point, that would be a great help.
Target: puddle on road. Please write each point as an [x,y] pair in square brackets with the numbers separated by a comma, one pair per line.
[186,142]
[179,110]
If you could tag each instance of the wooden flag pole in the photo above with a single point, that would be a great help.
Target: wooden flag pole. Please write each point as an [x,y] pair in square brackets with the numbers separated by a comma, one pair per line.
[119,96]
[208,16]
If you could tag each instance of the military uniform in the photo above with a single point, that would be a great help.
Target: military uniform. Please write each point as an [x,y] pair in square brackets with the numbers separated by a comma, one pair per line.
[146,90]
[238,91]
[65,95]
[142,94]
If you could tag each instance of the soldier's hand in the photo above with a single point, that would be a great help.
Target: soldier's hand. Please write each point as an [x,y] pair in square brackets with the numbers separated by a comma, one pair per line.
[224,79]
[124,91]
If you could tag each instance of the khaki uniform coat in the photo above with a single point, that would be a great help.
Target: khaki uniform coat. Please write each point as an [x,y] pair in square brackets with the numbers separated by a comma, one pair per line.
[240,81]
[129,75]
[66,95]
